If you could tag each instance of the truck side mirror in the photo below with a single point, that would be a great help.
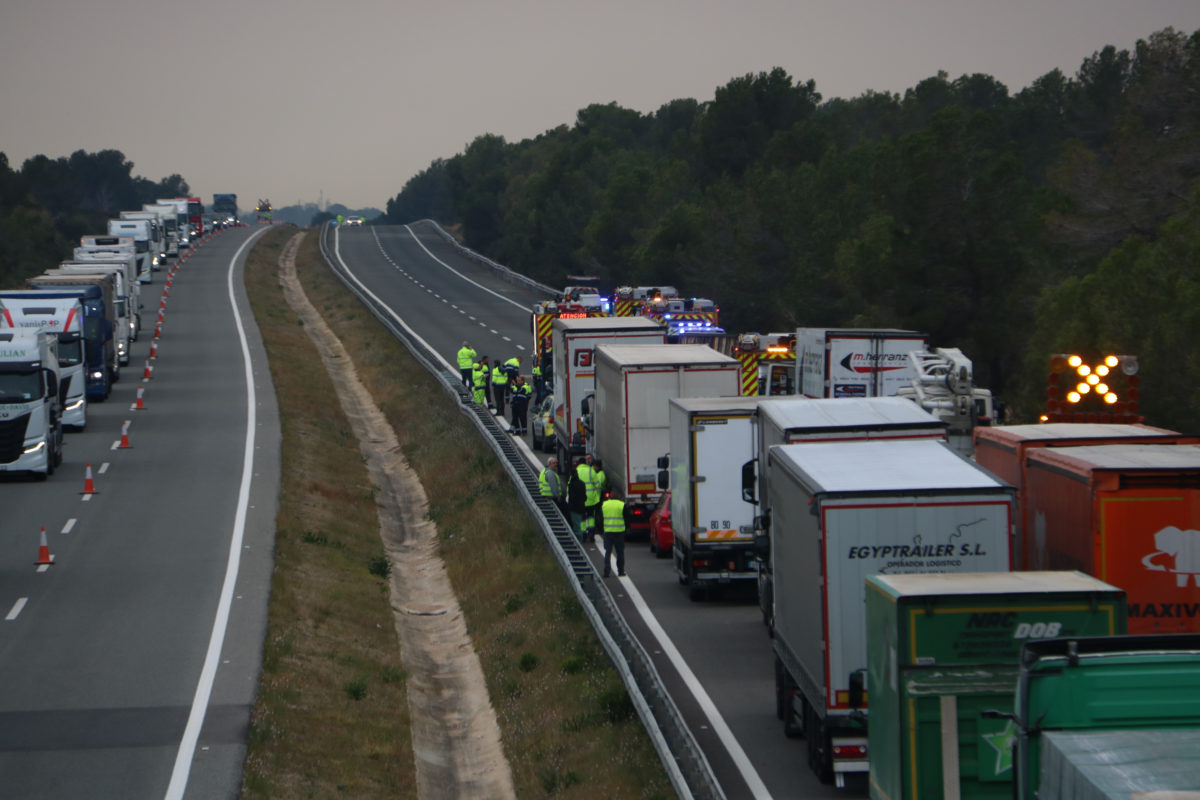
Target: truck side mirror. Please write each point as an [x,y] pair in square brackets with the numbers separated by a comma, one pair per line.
[664,479]
[585,406]
[762,546]
[750,481]
[664,462]
[858,688]
[51,382]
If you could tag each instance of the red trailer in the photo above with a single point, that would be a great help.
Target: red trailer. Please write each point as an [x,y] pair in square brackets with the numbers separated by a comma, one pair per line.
[1003,449]
[1128,514]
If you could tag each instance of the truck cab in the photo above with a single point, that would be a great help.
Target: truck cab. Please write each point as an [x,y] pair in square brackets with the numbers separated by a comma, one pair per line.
[30,406]
[31,310]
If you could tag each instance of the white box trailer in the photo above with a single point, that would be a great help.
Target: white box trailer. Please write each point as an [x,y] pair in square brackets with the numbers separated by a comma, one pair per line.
[158,237]
[140,231]
[712,525]
[854,362]
[788,420]
[168,220]
[183,228]
[631,414]
[840,512]
[573,340]
[126,259]
[33,311]
[31,426]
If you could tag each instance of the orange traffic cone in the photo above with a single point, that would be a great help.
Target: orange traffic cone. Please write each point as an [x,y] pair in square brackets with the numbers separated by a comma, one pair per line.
[154,349]
[158,329]
[138,406]
[44,558]
[125,445]
[89,486]
[147,375]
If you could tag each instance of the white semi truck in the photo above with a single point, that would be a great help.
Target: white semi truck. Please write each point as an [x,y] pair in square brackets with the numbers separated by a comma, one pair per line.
[123,322]
[854,362]
[140,231]
[840,512]
[31,428]
[33,311]
[124,259]
[168,220]
[158,238]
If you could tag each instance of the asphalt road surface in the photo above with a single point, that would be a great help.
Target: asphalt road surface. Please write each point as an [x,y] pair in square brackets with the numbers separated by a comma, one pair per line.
[714,655]
[128,668]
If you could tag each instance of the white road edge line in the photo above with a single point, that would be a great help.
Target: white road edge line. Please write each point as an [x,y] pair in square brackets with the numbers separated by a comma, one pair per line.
[208,674]
[456,272]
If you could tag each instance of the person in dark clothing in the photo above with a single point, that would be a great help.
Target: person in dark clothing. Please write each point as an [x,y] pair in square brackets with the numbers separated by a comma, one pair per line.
[519,400]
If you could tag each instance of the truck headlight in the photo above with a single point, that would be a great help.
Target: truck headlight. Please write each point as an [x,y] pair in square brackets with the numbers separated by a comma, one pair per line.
[96,374]
[74,405]
[37,448]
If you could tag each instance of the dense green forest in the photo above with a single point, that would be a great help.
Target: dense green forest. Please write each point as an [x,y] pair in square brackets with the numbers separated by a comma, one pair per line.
[49,203]
[1062,218]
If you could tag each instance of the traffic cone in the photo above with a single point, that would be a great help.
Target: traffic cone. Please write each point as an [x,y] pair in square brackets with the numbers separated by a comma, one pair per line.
[89,486]
[158,329]
[147,375]
[44,558]
[160,316]
[125,445]
[138,406]
[154,349]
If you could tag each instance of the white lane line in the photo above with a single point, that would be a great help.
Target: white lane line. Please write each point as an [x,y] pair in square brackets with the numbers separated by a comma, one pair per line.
[459,274]
[85,498]
[505,338]
[70,526]
[103,468]
[16,609]
[191,733]
[740,759]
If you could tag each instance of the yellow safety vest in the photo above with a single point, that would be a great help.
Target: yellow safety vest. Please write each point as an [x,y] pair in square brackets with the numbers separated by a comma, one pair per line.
[613,512]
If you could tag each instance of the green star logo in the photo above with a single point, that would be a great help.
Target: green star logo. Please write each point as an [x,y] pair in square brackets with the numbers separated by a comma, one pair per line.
[1002,740]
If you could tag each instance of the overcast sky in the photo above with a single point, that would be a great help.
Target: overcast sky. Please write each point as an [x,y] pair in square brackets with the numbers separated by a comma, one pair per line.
[347,99]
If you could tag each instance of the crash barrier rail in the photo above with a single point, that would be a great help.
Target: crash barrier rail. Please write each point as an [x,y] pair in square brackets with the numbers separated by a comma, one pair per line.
[687,767]
[501,271]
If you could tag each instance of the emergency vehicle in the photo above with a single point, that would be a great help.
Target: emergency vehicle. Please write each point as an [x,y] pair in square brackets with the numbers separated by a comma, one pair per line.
[768,363]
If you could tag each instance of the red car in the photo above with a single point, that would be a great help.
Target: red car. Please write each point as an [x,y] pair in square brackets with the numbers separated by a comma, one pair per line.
[662,539]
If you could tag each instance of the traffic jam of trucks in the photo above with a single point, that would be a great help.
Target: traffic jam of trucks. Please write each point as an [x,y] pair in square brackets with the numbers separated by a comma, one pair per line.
[858,480]
[65,335]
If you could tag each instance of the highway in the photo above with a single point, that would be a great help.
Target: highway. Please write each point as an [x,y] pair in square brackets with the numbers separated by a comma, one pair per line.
[128,667]
[714,655]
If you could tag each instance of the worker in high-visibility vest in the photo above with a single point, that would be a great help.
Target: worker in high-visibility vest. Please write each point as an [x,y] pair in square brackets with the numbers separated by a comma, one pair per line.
[499,387]
[466,363]
[594,487]
[612,511]
[479,380]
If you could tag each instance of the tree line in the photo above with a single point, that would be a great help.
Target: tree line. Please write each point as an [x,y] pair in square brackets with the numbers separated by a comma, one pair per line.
[1061,218]
[47,204]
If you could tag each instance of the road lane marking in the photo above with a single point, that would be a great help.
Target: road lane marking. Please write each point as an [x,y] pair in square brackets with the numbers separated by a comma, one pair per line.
[456,272]
[16,609]
[104,467]
[208,673]
[70,526]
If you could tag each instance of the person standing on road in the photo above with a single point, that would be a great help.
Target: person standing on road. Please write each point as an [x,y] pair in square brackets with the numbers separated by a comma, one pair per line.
[550,484]
[520,405]
[539,385]
[613,511]
[601,488]
[499,388]
[466,364]
[576,500]
[591,503]
[479,382]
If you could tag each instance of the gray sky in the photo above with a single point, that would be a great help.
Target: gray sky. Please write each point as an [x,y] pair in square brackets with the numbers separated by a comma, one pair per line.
[284,99]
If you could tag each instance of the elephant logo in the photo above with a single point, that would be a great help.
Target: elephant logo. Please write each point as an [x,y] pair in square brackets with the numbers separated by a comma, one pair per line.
[1178,552]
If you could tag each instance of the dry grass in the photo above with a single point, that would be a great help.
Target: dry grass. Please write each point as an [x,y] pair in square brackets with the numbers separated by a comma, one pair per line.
[568,726]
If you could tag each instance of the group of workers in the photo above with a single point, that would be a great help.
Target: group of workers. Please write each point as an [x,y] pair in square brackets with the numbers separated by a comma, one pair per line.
[581,494]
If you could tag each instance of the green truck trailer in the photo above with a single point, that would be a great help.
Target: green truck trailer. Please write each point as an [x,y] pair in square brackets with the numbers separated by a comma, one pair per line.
[944,656]
[1106,718]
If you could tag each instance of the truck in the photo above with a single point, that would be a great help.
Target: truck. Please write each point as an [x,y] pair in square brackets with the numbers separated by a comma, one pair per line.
[224,206]
[768,363]
[629,419]
[853,362]
[140,231]
[158,239]
[33,311]
[839,512]
[31,429]
[183,230]
[573,341]
[168,217]
[125,260]
[790,420]
[123,319]
[1003,450]
[1108,716]
[95,293]
[712,527]
[1128,514]
[946,656]
[943,384]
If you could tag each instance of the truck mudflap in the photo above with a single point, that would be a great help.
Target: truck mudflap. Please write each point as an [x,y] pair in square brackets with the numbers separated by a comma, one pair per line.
[849,755]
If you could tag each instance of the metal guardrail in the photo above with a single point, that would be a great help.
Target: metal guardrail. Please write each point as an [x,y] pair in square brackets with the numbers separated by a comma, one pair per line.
[687,767]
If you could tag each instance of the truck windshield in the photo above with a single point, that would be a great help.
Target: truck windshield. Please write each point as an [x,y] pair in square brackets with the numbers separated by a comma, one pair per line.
[119,307]
[70,351]
[141,245]
[20,385]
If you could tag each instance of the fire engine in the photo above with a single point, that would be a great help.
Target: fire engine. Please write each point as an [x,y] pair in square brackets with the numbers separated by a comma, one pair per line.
[768,362]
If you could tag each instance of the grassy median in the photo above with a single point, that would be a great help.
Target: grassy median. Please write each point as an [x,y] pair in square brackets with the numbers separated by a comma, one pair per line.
[331,717]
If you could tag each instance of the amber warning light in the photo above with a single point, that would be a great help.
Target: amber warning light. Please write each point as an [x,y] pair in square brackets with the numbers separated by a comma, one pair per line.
[1083,390]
